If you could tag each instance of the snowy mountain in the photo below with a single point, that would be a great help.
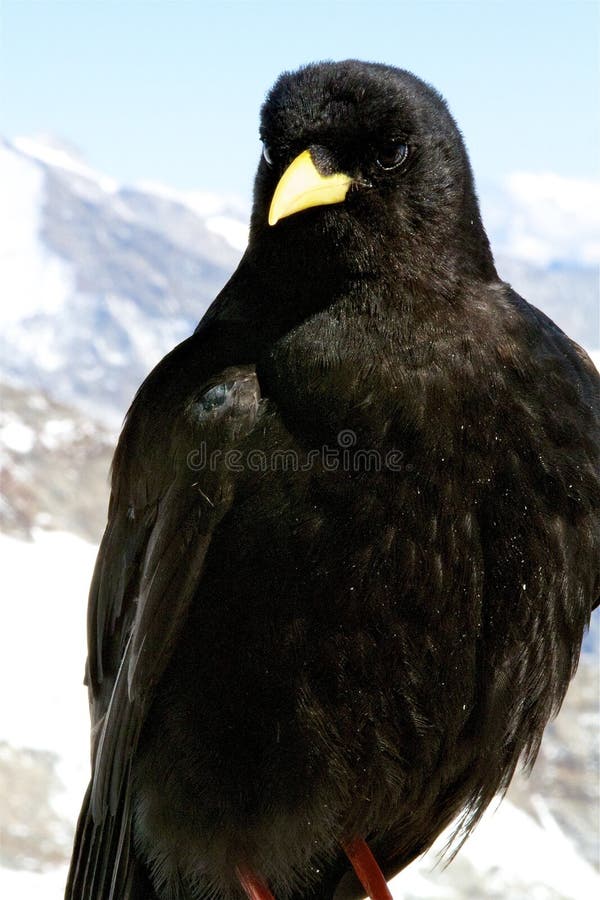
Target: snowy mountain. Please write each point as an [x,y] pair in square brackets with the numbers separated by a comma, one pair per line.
[55,465]
[544,219]
[98,281]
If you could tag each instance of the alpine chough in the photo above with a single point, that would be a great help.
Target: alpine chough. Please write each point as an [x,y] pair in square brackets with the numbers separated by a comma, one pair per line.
[353,540]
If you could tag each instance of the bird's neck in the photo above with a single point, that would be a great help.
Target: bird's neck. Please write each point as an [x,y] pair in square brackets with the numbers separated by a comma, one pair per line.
[298,276]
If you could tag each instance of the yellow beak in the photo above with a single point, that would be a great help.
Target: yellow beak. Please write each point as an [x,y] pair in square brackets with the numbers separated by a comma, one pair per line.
[301,187]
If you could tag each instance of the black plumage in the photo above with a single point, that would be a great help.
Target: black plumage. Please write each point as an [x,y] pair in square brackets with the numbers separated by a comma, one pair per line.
[354,532]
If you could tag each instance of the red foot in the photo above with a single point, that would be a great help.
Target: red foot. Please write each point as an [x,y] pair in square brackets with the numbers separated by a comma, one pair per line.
[368,872]
[253,886]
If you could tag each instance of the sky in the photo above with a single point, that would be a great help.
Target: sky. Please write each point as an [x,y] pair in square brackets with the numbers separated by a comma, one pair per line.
[170,90]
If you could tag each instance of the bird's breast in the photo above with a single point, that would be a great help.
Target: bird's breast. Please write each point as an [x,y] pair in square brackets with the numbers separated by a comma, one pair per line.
[304,673]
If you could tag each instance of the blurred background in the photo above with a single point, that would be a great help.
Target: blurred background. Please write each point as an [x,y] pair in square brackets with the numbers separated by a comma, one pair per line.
[130,139]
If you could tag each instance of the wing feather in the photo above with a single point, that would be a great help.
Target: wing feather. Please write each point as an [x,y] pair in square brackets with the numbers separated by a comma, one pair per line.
[162,516]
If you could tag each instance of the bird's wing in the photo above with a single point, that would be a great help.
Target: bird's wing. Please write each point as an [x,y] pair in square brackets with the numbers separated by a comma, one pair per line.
[168,495]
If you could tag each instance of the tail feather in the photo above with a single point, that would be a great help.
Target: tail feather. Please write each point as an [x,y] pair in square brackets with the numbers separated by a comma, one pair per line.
[104,865]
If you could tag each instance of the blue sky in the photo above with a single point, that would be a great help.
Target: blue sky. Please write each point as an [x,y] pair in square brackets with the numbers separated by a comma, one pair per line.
[169,90]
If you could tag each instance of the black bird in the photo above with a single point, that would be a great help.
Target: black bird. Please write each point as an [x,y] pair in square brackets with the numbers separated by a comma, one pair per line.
[353,540]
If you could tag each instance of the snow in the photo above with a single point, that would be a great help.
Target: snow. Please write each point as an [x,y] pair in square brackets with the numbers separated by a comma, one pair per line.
[203,203]
[17,436]
[59,157]
[57,432]
[544,218]
[537,856]
[234,232]
[22,885]
[33,279]
[42,650]
[148,337]
[37,401]
[223,214]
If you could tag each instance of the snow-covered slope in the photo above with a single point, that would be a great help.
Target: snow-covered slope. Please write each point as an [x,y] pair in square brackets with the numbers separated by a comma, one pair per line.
[544,219]
[54,463]
[44,732]
[35,281]
[98,281]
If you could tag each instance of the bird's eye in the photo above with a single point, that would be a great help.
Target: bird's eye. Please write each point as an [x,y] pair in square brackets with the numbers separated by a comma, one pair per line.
[267,155]
[391,155]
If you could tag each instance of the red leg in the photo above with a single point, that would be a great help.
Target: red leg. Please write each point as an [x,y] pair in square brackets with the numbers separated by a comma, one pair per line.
[368,872]
[254,887]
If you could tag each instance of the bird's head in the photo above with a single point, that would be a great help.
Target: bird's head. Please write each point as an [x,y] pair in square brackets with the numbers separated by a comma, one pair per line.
[363,167]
